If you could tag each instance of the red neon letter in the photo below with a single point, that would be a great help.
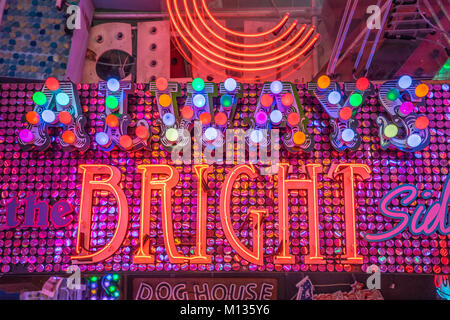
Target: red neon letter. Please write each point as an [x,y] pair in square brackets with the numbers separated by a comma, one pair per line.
[284,185]
[256,254]
[90,184]
[349,171]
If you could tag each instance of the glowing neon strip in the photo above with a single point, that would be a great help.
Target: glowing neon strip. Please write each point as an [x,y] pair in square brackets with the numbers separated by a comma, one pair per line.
[237,44]
[244,79]
[309,45]
[266,53]
[311,30]
[241,34]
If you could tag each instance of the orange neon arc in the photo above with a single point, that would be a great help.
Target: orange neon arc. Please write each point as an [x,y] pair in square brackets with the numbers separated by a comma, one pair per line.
[310,32]
[241,34]
[277,39]
[291,41]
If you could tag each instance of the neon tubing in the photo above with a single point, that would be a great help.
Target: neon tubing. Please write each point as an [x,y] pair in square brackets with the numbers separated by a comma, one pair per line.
[310,44]
[237,44]
[241,34]
[239,54]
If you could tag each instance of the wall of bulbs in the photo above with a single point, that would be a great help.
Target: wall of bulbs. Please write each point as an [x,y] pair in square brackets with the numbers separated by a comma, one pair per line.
[44,160]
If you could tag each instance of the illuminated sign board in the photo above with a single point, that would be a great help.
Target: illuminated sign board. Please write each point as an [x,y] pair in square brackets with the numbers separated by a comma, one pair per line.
[136,210]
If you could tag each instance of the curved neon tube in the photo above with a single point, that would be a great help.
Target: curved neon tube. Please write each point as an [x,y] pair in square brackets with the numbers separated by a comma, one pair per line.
[241,34]
[237,44]
[311,30]
[211,68]
[240,54]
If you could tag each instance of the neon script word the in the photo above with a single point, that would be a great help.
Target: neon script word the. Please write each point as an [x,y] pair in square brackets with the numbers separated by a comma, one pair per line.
[37,213]
[422,220]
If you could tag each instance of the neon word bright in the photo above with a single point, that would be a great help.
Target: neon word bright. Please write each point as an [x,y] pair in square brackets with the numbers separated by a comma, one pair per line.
[163,178]
[422,220]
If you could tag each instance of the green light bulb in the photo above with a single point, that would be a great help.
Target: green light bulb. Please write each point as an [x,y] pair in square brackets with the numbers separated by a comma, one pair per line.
[94,279]
[198,84]
[226,100]
[116,294]
[39,98]
[111,102]
[356,99]
[393,94]
[112,289]
[116,277]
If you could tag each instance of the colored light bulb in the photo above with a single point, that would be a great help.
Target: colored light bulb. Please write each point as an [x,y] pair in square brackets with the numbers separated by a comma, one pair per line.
[276,117]
[198,84]
[112,102]
[348,135]
[199,100]
[261,117]
[205,118]
[345,113]
[65,118]
[172,135]
[52,84]
[210,134]
[32,117]
[266,100]
[356,100]
[226,100]
[161,84]
[323,82]
[125,142]
[94,278]
[221,118]
[113,85]
[414,140]
[393,94]
[299,138]
[103,140]
[187,112]
[68,137]
[287,99]
[422,123]
[168,119]
[26,136]
[276,87]
[256,136]
[293,119]
[112,121]
[142,132]
[334,97]
[362,84]
[406,108]
[116,277]
[164,100]
[391,131]
[48,116]
[62,99]
[230,84]
[404,82]
[116,294]
[39,98]
[422,90]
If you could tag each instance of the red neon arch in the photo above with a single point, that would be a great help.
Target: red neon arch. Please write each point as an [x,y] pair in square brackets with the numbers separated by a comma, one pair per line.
[241,34]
